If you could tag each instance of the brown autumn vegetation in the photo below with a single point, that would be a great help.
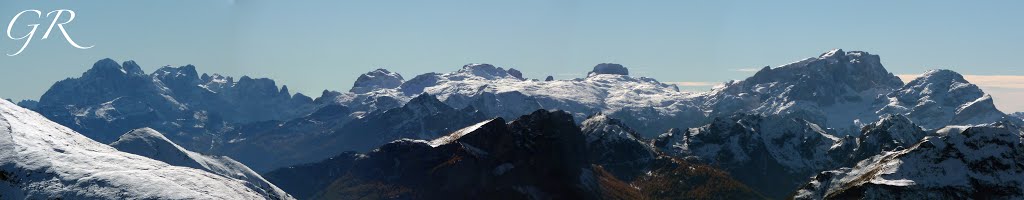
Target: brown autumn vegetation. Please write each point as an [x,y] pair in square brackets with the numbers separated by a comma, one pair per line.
[349,187]
[679,179]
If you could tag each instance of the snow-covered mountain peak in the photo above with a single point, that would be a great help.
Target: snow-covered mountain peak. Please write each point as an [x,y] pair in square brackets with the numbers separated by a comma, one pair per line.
[609,68]
[833,54]
[131,67]
[602,128]
[486,71]
[515,73]
[838,55]
[259,85]
[145,135]
[376,80]
[152,144]
[617,147]
[835,89]
[889,120]
[168,72]
[179,78]
[939,81]
[938,76]
[599,119]
[899,124]
[942,97]
[108,68]
[663,140]
[217,78]
[891,133]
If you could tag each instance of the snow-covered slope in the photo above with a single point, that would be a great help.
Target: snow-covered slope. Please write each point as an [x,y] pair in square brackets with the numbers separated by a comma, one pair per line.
[40,159]
[151,144]
[981,162]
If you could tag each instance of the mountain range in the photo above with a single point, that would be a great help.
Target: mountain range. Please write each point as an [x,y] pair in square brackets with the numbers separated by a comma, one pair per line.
[821,127]
[110,99]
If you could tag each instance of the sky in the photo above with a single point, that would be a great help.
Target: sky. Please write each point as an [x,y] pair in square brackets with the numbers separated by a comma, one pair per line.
[316,45]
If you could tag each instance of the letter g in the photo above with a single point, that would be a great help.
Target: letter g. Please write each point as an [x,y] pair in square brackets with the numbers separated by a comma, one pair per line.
[10,26]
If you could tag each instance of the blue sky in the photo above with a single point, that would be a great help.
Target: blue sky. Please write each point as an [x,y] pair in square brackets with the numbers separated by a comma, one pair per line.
[315,45]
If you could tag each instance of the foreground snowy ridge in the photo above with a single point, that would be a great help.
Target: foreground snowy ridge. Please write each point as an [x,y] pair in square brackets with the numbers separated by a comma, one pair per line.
[40,159]
[152,144]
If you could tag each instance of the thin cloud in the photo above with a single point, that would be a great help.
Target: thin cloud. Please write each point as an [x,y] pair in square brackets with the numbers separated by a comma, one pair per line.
[746,70]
